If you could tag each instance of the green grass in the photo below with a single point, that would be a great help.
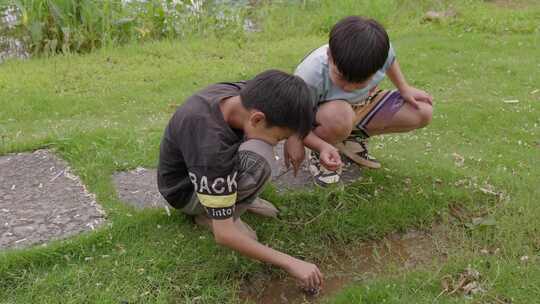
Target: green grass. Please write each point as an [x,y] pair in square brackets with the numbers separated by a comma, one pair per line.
[105,111]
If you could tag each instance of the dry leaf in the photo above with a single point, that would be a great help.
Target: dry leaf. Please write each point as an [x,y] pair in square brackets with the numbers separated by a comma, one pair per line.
[473,288]
[459,160]
[488,189]
[438,16]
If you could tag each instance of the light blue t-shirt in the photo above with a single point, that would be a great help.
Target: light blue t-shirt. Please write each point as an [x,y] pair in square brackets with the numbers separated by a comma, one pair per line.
[315,72]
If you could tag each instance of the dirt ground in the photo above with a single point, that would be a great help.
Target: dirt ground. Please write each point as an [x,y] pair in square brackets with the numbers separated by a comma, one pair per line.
[366,260]
[139,187]
[42,200]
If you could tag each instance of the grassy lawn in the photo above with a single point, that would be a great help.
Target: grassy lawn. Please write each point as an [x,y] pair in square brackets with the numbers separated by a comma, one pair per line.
[106,111]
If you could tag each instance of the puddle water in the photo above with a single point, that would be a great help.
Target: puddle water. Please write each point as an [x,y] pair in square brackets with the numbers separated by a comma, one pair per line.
[10,47]
[395,252]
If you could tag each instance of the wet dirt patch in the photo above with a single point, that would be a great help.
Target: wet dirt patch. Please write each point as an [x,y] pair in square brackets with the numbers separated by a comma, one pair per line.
[353,264]
[42,200]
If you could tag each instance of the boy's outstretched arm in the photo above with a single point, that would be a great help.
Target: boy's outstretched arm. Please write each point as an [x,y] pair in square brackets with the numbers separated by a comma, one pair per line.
[294,153]
[410,94]
[227,234]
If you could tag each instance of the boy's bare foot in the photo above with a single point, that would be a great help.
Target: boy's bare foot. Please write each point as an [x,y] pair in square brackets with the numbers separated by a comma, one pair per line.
[205,222]
[263,207]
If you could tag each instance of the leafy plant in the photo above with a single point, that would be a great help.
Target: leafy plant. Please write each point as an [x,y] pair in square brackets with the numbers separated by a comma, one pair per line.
[64,26]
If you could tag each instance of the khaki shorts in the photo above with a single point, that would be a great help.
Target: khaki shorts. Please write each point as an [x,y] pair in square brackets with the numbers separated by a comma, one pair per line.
[255,167]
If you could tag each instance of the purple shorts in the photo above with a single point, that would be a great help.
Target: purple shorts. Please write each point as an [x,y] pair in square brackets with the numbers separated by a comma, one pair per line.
[385,106]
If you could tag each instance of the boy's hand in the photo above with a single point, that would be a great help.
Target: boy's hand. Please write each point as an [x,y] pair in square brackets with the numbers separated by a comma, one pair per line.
[329,157]
[294,153]
[413,95]
[308,274]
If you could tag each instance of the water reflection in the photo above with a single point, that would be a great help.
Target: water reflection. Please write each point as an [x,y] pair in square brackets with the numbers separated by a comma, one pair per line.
[10,46]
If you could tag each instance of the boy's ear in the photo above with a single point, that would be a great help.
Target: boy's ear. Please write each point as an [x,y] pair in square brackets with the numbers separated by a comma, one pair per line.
[257,118]
[329,54]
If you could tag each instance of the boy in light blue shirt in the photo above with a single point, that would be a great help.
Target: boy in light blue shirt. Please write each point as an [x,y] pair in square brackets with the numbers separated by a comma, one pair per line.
[343,76]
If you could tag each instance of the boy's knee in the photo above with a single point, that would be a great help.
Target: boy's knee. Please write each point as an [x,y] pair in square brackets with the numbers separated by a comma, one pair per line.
[254,169]
[336,120]
[339,128]
[425,115]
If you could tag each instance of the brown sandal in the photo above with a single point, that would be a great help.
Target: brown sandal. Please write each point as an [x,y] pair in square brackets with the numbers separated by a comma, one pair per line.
[357,152]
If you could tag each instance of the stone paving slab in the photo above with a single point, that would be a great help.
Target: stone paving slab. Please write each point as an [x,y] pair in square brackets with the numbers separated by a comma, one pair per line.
[286,180]
[139,187]
[42,200]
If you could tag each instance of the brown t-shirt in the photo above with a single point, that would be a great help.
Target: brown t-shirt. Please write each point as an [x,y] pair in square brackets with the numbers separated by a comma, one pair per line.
[198,153]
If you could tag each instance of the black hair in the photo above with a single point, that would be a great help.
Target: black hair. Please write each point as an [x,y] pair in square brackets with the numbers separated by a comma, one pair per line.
[285,100]
[359,47]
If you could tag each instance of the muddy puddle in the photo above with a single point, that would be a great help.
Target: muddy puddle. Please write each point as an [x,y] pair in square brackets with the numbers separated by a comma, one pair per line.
[396,252]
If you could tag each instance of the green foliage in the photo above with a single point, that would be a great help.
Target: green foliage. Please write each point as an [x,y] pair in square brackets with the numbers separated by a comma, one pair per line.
[50,27]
